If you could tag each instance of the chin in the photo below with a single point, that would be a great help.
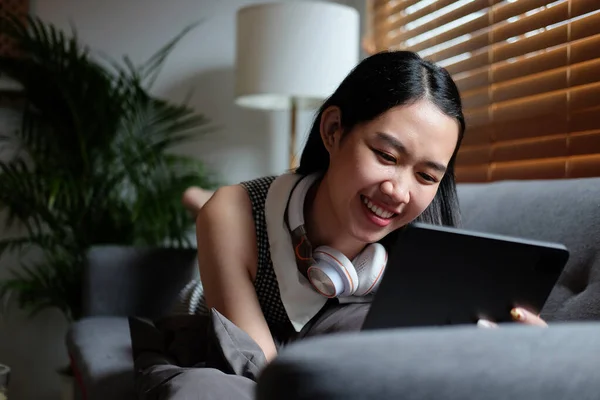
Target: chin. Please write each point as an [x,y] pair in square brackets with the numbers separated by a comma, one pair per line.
[369,237]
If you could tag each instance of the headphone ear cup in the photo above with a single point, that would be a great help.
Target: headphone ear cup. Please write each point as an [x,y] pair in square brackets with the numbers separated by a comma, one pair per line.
[370,264]
[333,273]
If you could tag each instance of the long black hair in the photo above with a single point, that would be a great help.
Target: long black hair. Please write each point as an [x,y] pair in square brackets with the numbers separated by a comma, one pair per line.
[377,84]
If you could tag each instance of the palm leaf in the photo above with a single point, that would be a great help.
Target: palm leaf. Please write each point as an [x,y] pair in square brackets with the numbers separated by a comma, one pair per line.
[22,244]
[94,164]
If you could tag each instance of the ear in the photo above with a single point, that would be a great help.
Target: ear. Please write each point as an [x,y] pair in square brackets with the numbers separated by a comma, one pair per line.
[331,127]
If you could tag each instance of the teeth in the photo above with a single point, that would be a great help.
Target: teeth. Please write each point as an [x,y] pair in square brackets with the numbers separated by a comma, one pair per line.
[376,210]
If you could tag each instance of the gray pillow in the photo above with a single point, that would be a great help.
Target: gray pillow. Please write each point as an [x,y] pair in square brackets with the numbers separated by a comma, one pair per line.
[232,350]
[201,341]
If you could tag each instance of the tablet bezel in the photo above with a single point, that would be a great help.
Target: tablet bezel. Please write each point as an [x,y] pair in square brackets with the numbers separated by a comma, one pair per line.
[436,276]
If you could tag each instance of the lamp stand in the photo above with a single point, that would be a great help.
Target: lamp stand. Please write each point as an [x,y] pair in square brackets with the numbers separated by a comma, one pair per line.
[292,156]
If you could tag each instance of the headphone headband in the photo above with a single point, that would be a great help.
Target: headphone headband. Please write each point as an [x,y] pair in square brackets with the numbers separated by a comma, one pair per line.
[296,205]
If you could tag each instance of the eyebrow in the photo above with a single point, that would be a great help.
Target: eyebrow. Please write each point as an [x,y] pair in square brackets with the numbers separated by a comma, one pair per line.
[400,148]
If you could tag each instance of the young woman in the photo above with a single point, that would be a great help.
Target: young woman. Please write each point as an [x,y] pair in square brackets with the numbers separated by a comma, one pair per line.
[381,153]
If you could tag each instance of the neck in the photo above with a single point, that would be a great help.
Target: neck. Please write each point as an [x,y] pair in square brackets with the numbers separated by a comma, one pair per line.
[322,226]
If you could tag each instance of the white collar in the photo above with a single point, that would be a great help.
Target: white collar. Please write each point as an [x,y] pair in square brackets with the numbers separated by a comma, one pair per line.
[300,301]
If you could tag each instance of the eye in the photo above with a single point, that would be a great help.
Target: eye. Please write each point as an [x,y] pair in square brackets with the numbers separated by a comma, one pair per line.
[428,178]
[385,156]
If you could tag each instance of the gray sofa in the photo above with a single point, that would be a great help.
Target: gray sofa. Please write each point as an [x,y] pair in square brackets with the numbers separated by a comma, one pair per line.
[514,362]
[119,282]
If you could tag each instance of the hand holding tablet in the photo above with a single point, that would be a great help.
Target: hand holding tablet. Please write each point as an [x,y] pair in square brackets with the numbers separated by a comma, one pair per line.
[519,315]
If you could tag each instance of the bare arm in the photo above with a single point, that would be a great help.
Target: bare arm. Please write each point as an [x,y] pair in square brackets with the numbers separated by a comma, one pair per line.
[227,254]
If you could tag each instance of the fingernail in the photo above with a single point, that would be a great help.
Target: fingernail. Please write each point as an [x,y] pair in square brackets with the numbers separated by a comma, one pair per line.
[483,323]
[517,314]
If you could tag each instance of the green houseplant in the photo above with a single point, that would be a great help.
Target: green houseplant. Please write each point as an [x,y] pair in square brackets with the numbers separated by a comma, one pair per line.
[91,162]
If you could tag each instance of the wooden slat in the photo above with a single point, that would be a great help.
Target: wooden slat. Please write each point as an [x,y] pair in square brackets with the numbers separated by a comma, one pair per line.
[531,126]
[551,58]
[584,143]
[553,168]
[476,98]
[586,119]
[548,81]
[530,85]
[530,107]
[586,27]
[498,15]
[590,26]
[579,97]
[475,60]
[401,18]
[476,117]
[477,135]
[583,166]
[547,59]
[520,122]
[581,7]
[474,155]
[504,30]
[470,27]
[469,8]
[388,7]
[585,49]
[584,73]
[476,42]
[561,145]
[473,79]
[585,96]
[556,57]
[479,173]
[544,147]
[506,10]
[549,38]
[386,16]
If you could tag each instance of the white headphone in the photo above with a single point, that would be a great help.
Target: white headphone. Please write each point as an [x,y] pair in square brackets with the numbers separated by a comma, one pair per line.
[329,271]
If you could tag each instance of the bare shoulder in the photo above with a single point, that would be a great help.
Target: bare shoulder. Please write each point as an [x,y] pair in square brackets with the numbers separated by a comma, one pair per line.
[229,204]
[225,227]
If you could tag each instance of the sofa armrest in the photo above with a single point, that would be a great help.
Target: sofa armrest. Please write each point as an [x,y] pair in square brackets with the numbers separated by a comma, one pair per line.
[100,351]
[453,363]
[127,281]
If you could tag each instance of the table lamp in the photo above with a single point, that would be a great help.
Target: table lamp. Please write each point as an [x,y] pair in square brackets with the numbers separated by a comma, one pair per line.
[293,55]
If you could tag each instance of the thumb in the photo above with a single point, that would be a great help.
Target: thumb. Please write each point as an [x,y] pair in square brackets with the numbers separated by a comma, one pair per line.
[484,323]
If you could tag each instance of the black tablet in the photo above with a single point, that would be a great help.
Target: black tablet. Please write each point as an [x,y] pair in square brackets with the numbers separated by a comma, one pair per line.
[440,276]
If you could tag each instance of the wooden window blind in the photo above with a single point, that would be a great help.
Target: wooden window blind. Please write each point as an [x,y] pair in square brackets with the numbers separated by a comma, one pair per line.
[528,72]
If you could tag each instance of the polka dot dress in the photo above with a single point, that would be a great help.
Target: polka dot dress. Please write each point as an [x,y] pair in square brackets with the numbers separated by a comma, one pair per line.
[191,298]
[266,286]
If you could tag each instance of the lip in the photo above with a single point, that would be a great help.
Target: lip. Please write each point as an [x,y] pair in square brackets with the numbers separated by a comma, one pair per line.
[375,219]
[382,206]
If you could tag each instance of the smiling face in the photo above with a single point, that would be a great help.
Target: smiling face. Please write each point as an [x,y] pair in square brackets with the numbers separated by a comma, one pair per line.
[384,173]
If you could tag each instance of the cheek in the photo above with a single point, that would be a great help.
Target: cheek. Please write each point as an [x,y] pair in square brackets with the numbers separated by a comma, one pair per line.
[421,199]
[354,168]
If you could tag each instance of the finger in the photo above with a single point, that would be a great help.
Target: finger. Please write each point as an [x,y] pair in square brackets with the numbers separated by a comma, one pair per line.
[484,323]
[526,317]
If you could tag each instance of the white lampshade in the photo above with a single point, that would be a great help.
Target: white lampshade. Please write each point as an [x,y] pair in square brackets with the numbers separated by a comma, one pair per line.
[297,50]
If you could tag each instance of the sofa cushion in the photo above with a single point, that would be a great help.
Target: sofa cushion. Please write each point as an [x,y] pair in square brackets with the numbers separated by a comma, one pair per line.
[141,281]
[100,348]
[565,211]
[514,362]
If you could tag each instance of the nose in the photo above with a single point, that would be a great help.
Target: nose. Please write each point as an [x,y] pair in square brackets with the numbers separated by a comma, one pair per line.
[396,190]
